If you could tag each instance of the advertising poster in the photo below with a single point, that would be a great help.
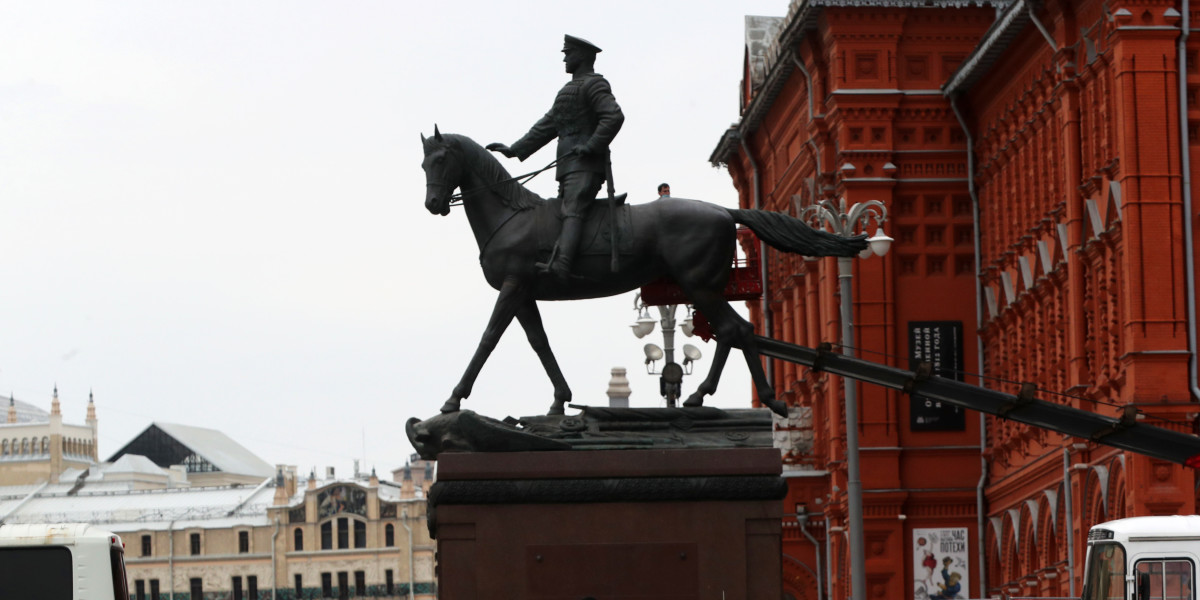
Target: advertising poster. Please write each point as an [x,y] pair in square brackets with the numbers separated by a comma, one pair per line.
[940,344]
[940,564]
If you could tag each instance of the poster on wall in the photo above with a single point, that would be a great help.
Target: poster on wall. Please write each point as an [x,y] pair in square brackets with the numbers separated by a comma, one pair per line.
[940,344]
[940,567]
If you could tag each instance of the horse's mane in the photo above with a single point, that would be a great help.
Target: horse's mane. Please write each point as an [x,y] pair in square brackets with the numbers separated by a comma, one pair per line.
[512,194]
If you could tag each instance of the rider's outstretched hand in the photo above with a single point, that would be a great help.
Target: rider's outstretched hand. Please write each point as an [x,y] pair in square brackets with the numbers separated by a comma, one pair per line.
[501,148]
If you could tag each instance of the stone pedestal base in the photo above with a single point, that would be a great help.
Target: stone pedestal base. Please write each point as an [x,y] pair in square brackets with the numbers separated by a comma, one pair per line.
[609,525]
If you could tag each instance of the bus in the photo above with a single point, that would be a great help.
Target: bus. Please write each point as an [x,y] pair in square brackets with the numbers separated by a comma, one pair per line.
[1143,558]
[63,561]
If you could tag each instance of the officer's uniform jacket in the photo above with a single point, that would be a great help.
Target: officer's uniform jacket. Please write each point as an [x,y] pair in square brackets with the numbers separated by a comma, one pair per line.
[584,112]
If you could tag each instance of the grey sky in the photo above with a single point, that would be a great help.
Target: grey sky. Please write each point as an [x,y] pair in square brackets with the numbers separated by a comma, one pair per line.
[211,212]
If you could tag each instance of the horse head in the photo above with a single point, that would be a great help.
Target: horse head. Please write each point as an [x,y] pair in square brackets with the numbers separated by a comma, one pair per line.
[443,172]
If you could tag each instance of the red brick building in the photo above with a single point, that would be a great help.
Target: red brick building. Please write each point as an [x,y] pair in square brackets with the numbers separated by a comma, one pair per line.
[1031,155]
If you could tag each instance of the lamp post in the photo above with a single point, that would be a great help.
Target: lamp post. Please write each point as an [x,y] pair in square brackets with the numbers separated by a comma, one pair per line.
[671,376]
[848,223]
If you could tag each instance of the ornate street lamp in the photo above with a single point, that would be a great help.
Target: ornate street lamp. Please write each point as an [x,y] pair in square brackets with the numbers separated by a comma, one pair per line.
[671,376]
[848,223]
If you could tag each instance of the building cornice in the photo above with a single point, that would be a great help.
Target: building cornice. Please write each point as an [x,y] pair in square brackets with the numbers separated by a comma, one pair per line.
[802,18]
[995,41]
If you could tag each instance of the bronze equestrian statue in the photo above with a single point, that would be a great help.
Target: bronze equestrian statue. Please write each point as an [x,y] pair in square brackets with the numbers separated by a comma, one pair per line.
[585,118]
[690,241]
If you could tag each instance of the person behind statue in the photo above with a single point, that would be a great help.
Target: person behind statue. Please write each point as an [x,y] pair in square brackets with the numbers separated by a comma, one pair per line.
[664,190]
[585,118]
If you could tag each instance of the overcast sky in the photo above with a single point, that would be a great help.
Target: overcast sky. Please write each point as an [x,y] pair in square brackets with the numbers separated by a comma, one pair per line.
[211,213]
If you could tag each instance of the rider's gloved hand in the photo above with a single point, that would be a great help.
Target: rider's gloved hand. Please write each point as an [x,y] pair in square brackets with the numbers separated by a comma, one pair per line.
[501,148]
[583,150]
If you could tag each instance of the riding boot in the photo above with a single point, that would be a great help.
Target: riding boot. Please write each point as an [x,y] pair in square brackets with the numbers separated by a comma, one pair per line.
[568,243]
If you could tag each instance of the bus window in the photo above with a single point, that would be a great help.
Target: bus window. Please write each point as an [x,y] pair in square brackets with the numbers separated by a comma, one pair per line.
[1170,578]
[52,564]
[1105,572]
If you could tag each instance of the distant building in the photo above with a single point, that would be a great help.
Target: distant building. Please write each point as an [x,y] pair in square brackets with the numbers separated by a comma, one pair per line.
[209,456]
[203,518]
[36,446]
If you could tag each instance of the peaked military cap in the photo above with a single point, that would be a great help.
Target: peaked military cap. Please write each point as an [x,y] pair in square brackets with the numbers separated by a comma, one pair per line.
[570,41]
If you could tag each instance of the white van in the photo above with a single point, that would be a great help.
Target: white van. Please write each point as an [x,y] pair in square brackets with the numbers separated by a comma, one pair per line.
[1143,558]
[64,561]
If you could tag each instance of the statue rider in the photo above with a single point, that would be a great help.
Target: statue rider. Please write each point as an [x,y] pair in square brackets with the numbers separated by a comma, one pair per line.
[585,118]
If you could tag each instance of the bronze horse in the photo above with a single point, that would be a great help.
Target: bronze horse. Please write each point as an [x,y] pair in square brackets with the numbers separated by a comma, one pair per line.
[689,241]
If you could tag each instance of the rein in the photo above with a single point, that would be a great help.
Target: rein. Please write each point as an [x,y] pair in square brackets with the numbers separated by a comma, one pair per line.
[457,199]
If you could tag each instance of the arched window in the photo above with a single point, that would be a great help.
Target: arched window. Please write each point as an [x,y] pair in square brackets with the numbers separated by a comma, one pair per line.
[24,446]
[45,445]
[3,447]
[360,534]
[389,535]
[327,535]
[298,539]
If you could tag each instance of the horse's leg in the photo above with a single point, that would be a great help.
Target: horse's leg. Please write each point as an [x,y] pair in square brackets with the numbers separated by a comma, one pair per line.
[709,385]
[766,393]
[731,329]
[531,321]
[512,296]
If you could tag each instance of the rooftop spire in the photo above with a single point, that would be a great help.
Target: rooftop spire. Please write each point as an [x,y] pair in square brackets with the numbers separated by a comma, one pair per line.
[91,409]
[55,408]
[12,408]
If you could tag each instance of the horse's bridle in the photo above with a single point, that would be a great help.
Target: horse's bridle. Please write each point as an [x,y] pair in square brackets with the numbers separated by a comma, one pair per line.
[457,199]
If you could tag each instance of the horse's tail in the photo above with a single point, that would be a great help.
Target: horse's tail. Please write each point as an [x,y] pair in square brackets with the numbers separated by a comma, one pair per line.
[789,234]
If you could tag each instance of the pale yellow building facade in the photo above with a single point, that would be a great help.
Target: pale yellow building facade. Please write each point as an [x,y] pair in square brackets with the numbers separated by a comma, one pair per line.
[202,518]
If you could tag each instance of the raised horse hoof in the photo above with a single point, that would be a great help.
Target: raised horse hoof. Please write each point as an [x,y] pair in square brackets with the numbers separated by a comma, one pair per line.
[694,401]
[450,406]
[777,406]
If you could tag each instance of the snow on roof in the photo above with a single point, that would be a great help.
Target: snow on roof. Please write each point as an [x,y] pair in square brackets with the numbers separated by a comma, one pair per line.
[71,474]
[134,463]
[388,493]
[219,449]
[255,520]
[145,507]
[26,412]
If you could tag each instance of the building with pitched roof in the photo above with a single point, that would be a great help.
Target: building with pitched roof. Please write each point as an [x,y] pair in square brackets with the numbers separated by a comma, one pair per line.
[209,456]
[37,446]
[202,517]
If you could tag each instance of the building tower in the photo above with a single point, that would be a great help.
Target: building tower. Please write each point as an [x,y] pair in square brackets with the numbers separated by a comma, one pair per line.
[93,423]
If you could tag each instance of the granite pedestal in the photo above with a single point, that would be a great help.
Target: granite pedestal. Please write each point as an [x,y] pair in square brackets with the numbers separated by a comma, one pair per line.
[609,524]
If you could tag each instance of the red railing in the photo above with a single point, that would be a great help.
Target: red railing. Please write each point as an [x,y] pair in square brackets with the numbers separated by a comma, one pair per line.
[745,278]
[745,283]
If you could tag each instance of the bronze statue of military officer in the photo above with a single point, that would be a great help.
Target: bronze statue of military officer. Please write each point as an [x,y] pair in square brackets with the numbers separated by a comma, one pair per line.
[585,118]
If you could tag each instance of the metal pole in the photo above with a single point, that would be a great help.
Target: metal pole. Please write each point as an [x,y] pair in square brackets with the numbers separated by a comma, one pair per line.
[170,561]
[668,330]
[802,521]
[858,571]
[1069,503]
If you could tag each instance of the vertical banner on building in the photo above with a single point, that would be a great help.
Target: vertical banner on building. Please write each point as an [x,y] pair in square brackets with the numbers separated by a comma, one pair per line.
[940,564]
[940,344]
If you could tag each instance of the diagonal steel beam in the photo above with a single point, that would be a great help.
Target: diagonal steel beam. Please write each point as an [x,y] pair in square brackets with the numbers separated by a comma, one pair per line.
[1124,432]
